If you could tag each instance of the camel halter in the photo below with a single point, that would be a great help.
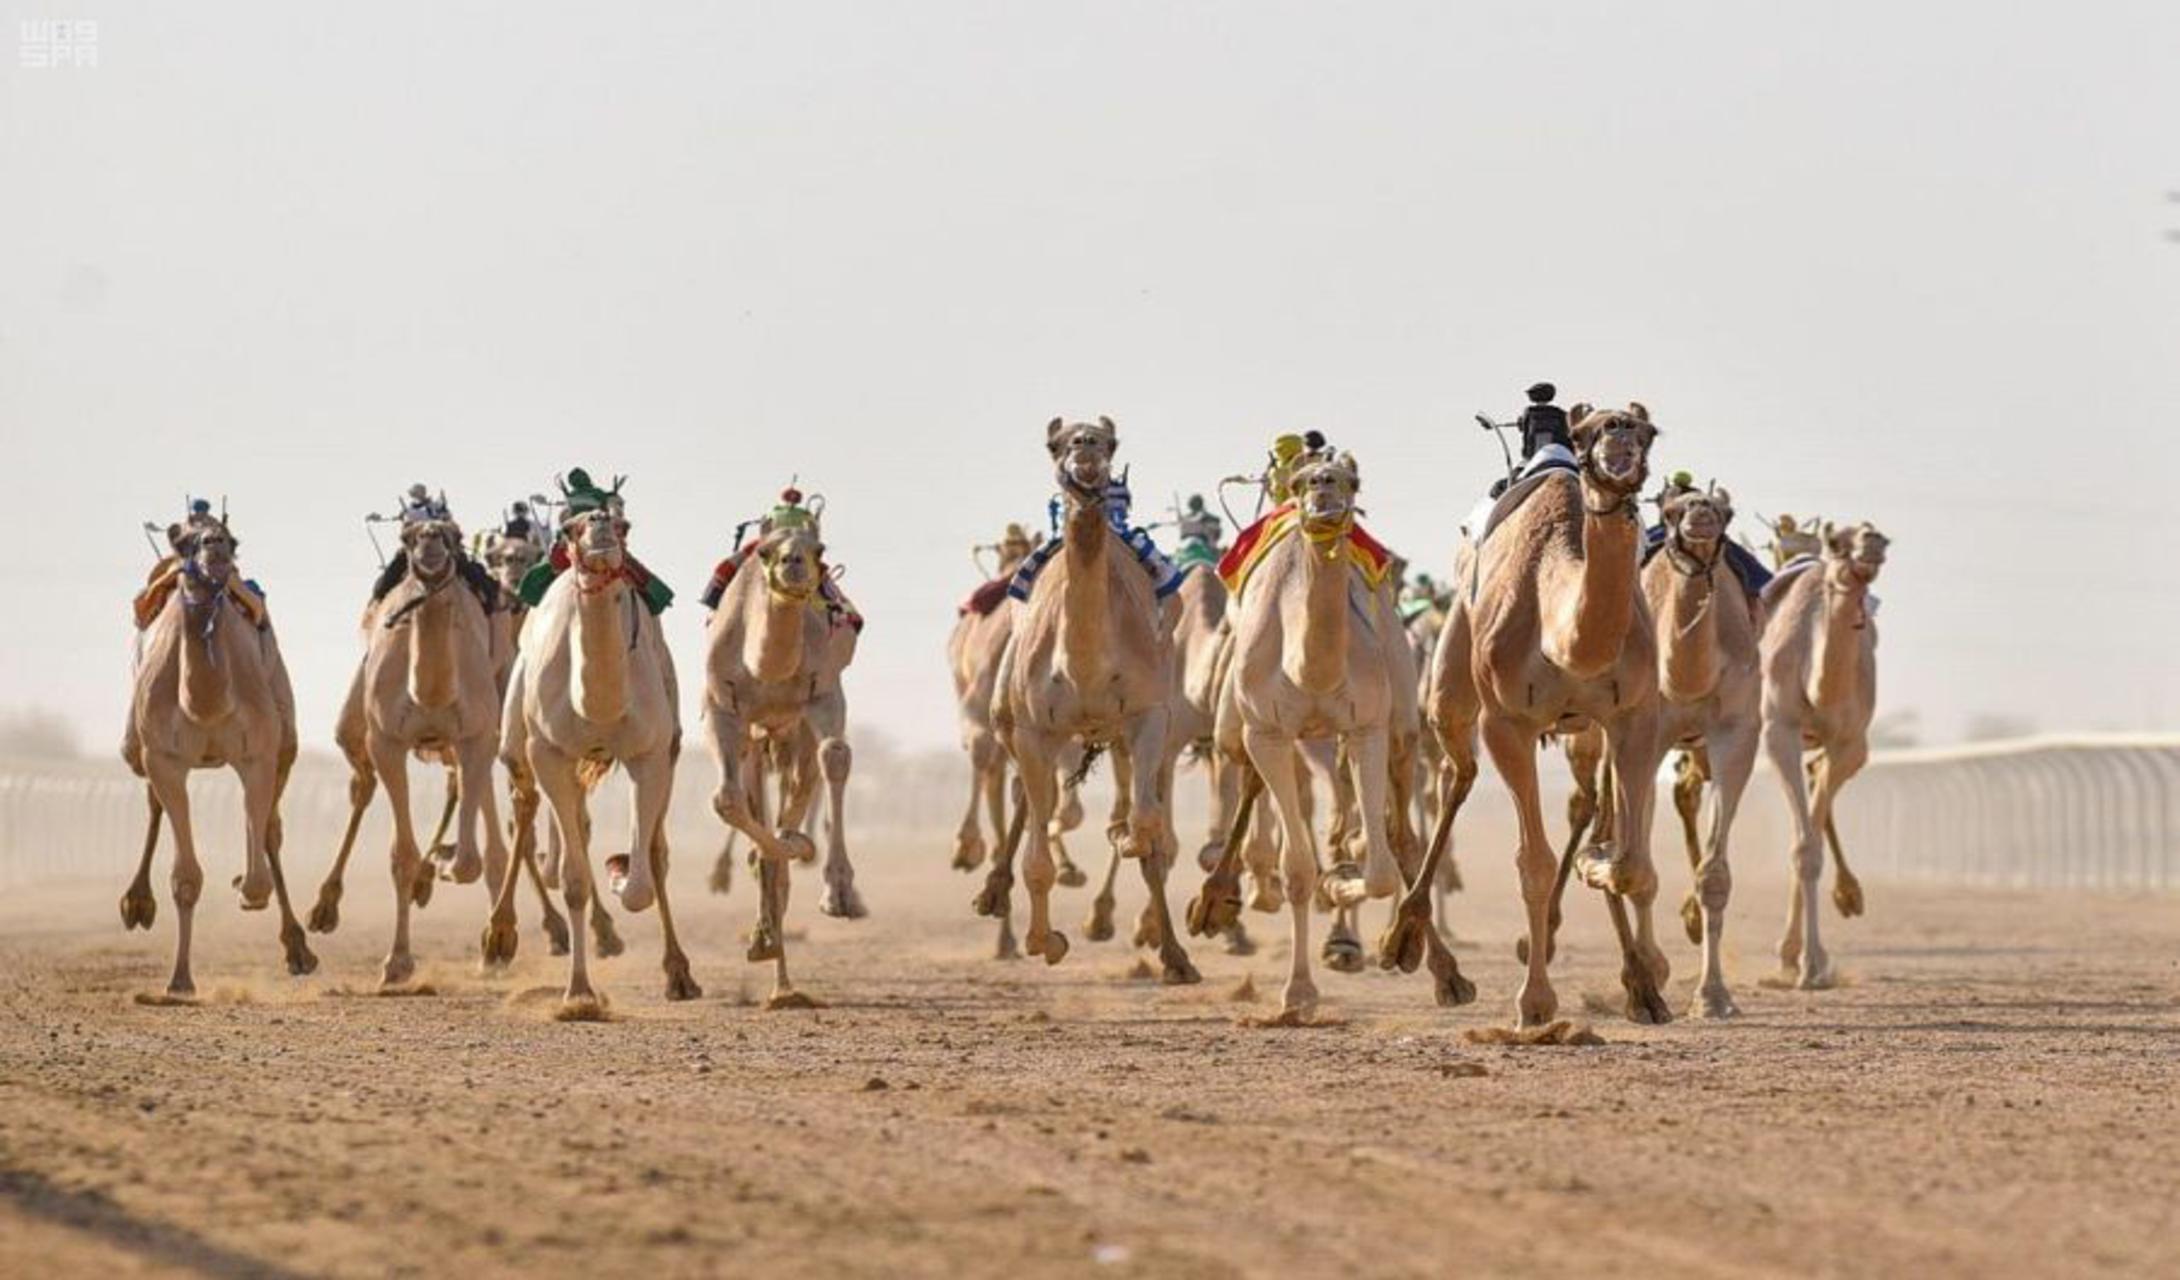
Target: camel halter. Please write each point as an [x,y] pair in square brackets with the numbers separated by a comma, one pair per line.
[1626,494]
[210,605]
[417,601]
[1850,582]
[1689,565]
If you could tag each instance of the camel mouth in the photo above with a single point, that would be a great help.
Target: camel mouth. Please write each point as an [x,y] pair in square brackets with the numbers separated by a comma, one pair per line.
[1701,527]
[1086,470]
[1619,457]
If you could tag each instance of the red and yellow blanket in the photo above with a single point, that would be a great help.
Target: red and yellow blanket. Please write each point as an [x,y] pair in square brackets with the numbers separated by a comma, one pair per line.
[1366,553]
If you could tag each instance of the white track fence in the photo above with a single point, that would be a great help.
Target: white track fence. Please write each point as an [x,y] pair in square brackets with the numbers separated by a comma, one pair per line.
[2094,812]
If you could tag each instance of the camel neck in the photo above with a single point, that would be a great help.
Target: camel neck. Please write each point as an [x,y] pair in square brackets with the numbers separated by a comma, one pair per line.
[431,650]
[601,645]
[207,692]
[1586,628]
[1085,601]
[773,648]
[1689,663]
[1838,660]
[1318,664]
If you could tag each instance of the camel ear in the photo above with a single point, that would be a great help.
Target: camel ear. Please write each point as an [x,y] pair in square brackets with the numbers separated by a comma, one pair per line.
[408,534]
[1638,411]
[1052,435]
[1839,540]
[1579,412]
[174,536]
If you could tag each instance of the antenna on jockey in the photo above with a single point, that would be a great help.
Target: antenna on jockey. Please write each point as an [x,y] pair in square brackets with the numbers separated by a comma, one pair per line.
[151,535]
[1498,431]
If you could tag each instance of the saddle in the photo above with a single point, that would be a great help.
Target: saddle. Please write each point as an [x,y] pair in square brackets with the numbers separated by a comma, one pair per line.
[1366,553]
[1491,512]
[245,594]
[985,599]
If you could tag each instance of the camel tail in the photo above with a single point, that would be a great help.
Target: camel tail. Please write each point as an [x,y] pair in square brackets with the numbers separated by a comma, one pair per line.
[1090,756]
[592,772]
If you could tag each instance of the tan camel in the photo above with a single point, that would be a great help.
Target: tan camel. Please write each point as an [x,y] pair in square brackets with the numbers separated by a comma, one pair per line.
[1549,630]
[772,658]
[1091,663]
[1710,710]
[1820,691]
[211,691]
[593,686]
[1317,672]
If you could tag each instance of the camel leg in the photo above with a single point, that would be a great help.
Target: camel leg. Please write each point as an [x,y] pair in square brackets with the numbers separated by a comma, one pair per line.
[1410,937]
[457,861]
[840,899]
[1841,762]
[738,801]
[1276,762]
[1513,752]
[1034,753]
[260,789]
[555,774]
[480,806]
[1000,881]
[1370,769]
[653,780]
[1846,889]
[1099,926]
[138,907]
[1801,956]
[969,847]
[1151,826]
[1261,854]
[524,799]
[1626,872]
[1730,758]
[1217,906]
[390,761]
[1343,883]
[1690,774]
[170,783]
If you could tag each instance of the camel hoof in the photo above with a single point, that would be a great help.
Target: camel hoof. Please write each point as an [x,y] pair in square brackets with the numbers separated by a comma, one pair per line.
[498,944]
[1818,978]
[679,985]
[968,853]
[764,944]
[1343,954]
[586,1007]
[301,961]
[1847,895]
[1536,1008]
[1207,858]
[326,916]
[1343,885]
[1644,1004]
[1717,1005]
[1269,895]
[1238,941]
[254,901]
[459,866]
[799,846]
[722,877]
[1453,990]
[138,910]
[1691,919]
[1099,927]
[1179,971]
[633,897]
[991,900]
[607,939]
[842,902]
[556,932]
[1401,945]
[396,972]
[789,1000]
[1215,910]
[1069,876]
[1055,948]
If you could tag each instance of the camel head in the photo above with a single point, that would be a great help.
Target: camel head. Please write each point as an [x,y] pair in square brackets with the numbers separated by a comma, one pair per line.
[206,548]
[1853,557]
[1697,520]
[1614,446]
[510,559]
[1083,452]
[1324,488]
[432,547]
[597,541]
[794,562]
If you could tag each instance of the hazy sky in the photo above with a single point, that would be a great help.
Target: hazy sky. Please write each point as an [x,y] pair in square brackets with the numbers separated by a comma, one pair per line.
[1903,262]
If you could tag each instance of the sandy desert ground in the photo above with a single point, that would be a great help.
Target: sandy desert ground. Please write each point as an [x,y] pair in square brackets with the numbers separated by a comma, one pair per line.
[1995,1091]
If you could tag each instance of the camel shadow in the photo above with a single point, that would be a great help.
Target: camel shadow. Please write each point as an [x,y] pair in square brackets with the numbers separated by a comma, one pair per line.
[94,1214]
